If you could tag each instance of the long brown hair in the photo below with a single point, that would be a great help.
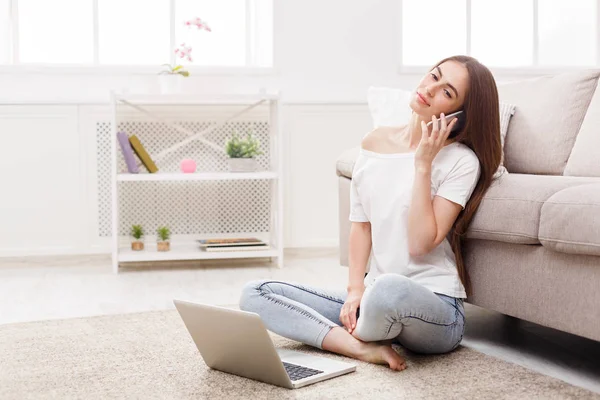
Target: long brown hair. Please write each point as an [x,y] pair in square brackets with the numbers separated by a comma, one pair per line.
[481,132]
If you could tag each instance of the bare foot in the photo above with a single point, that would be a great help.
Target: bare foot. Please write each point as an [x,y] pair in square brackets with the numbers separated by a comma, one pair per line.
[338,340]
[382,354]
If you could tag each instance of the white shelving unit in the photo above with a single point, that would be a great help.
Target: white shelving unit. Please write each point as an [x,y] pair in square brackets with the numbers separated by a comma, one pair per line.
[199,176]
[184,246]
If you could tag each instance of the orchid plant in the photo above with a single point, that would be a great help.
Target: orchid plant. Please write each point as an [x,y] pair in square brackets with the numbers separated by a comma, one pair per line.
[184,51]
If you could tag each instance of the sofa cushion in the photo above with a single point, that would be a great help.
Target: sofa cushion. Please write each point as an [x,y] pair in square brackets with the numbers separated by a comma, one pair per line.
[570,220]
[510,210]
[583,160]
[550,110]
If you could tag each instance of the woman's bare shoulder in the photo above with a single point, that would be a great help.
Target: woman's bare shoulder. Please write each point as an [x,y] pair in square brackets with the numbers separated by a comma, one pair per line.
[374,136]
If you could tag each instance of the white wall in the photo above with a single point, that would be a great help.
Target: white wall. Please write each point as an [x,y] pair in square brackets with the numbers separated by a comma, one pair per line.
[327,53]
[331,51]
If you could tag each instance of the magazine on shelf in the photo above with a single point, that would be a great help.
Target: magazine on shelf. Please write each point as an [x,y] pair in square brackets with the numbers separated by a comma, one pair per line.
[237,248]
[223,242]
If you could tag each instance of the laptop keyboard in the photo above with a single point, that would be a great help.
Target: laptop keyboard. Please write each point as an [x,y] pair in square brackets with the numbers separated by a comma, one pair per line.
[297,372]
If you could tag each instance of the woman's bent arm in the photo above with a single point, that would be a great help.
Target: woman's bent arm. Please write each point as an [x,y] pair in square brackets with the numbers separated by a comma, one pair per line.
[359,251]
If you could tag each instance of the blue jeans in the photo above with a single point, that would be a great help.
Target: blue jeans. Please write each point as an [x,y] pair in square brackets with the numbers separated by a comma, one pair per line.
[392,307]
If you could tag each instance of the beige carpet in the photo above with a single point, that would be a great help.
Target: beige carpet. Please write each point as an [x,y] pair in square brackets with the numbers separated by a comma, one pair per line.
[151,355]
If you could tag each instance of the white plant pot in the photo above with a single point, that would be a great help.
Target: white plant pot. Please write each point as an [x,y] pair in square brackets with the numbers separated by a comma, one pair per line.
[243,164]
[170,83]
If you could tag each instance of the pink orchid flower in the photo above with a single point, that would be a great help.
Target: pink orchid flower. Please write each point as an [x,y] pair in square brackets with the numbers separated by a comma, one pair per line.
[184,51]
[198,23]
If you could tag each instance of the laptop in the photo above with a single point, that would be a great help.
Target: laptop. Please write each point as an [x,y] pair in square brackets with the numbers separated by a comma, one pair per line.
[238,343]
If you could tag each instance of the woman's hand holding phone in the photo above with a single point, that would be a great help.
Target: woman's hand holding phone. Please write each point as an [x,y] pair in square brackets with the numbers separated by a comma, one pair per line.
[432,142]
[450,117]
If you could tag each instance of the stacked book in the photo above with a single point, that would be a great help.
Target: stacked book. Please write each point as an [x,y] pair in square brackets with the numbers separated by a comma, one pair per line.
[232,244]
[131,145]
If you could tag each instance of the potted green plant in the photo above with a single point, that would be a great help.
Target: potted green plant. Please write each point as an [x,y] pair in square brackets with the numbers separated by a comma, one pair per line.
[163,235]
[242,152]
[137,238]
[171,78]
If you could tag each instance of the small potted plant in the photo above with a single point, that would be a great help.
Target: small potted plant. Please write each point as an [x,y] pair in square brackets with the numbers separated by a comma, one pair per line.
[163,235]
[242,153]
[170,79]
[137,241]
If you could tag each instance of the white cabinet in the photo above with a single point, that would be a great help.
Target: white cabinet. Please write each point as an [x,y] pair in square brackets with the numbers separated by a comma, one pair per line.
[211,202]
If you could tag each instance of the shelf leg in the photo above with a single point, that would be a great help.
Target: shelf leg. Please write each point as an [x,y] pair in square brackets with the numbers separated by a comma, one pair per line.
[113,180]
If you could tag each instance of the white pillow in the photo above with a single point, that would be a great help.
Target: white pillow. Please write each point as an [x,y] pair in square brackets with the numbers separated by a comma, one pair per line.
[390,107]
[506,111]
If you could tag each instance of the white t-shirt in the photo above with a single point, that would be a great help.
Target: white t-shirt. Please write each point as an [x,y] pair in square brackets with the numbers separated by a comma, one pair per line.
[381,192]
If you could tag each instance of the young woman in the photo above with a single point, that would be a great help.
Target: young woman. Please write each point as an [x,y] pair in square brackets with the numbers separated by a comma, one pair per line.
[414,191]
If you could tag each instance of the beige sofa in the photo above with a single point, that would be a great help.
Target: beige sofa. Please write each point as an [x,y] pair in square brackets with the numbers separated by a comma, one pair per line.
[533,247]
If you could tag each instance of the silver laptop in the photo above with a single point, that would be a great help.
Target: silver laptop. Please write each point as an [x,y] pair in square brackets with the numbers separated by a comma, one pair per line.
[237,342]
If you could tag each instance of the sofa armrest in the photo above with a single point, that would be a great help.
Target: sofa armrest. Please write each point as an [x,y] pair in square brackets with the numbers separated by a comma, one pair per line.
[345,162]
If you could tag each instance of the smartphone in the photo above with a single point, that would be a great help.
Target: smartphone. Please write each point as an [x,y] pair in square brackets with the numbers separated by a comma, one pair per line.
[449,119]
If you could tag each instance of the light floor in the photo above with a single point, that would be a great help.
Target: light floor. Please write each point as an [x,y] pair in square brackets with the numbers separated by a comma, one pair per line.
[40,288]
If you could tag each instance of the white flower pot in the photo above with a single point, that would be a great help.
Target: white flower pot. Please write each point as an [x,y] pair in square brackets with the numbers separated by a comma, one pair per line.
[243,164]
[170,83]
